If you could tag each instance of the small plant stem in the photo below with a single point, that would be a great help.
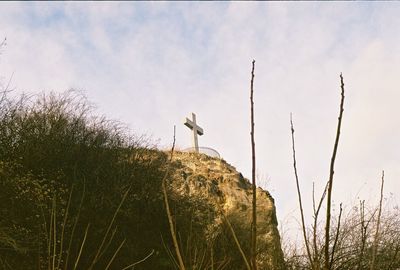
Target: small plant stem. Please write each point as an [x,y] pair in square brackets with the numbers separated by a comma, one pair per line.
[81,247]
[109,242]
[167,208]
[237,242]
[74,227]
[115,254]
[55,233]
[317,264]
[136,263]
[378,223]
[63,228]
[337,234]
[363,233]
[50,238]
[100,249]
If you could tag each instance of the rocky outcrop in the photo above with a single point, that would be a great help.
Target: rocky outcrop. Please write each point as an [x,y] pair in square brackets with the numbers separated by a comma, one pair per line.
[215,181]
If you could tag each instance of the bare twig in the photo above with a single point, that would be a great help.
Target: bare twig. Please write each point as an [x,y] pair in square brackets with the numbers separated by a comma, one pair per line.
[6,89]
[363,233]
[236,241]
[169,253]
[103,242]
[315,227]
[393,260]
[115,254]
[313,188]
[3,43]
[303,225]
[63,228]
[376,238]
[170,220]
[253,177]
[54,232]
[109,241]
[330,182]
[81,247]
[50,238]
[140,261]
[337,234]
[75,223]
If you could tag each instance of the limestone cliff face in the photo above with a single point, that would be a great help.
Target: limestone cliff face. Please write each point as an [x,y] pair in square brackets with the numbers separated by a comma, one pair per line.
[218,183]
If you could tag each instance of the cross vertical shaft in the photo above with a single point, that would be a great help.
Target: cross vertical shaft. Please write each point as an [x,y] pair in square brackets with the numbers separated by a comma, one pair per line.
[197,130]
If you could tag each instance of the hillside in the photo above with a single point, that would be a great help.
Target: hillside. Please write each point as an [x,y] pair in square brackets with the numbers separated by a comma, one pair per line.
[79,190]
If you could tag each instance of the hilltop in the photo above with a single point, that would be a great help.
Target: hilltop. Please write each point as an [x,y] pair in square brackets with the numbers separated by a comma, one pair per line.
[76,189]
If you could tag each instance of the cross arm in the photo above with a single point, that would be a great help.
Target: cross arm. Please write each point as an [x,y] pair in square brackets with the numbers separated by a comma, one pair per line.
[189,123]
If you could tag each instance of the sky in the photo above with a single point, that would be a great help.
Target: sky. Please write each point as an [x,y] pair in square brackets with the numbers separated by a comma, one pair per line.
[150,64]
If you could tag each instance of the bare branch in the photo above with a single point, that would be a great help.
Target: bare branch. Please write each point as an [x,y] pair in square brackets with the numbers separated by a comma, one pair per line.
[103,242]
[115,254]
[363,233]
[140,261]
[253,177]
[303,225]
[376,238]
[167,208]
[330,182]
[236,241]
[315,227]
[336,235]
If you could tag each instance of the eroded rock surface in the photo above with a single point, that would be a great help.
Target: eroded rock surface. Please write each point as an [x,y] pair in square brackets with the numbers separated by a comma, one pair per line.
[218,183]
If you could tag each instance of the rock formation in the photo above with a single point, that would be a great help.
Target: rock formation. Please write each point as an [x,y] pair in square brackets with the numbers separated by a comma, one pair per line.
[218,183]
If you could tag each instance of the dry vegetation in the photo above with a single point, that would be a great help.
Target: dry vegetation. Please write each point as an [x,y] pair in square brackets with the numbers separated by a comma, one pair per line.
[78,192]
[363,239]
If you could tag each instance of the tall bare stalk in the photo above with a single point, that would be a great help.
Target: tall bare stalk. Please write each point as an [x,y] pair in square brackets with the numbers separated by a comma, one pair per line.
[316,210]
[253,177]
[328,262]
[378,223]
[74,226]
[81,247]
[303,225]
[101,249]
[170,220]
[237,241]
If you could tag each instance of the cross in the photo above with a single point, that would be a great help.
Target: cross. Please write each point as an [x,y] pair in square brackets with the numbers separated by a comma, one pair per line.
[196,130]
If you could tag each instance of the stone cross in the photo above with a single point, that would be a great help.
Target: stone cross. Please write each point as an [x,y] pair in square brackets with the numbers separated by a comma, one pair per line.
[196,130]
